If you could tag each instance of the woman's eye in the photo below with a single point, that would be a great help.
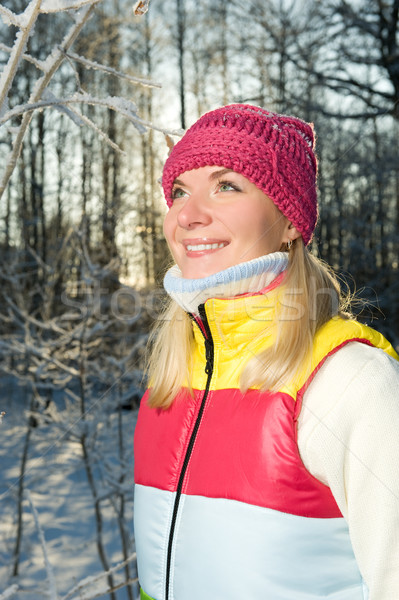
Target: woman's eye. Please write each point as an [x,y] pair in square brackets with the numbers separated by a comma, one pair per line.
[226,186]
[178,193]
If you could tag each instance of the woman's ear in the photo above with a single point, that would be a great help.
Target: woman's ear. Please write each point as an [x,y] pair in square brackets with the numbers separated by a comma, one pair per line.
[291,233]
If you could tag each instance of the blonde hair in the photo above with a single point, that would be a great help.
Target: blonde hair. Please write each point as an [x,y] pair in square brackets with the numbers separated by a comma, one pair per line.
[312,296]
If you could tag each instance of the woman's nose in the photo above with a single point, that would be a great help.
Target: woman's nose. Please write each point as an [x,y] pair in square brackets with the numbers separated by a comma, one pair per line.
[194,212]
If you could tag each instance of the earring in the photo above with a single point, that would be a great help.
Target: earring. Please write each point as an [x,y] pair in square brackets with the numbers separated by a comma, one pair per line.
[289,244]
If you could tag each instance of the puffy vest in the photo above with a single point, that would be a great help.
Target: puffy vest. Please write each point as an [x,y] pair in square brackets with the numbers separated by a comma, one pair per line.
[224,507]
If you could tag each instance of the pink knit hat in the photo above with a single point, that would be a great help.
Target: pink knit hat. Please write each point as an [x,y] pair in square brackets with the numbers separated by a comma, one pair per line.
[273,151]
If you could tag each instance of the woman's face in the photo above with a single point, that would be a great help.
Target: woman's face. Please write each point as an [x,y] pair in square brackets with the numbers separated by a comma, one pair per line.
[219,219]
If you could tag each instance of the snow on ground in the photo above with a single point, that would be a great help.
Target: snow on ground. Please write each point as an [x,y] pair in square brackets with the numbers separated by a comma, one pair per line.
[58,485]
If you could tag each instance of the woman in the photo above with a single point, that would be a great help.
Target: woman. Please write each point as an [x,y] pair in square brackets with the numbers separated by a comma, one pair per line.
[266,448]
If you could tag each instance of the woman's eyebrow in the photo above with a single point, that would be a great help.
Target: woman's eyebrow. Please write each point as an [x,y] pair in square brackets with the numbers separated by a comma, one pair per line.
[217,174]
[212,176]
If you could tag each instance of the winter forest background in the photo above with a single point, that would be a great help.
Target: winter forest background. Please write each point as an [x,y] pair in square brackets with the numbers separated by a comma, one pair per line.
[91,94]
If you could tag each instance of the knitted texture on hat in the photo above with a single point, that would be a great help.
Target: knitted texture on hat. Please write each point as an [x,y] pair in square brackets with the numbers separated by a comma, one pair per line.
[275,152]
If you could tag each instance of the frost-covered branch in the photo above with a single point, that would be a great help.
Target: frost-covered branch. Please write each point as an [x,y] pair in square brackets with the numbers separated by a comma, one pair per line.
[91,64]
[54,6]
[121,105]
[63,105]
[108,590]
[25,317]
[79,587]
[41,97]
[86,121]
[9,592]
[41,353]
[38,63]
[52,63]
[9,17]
[49,569]
[21,39]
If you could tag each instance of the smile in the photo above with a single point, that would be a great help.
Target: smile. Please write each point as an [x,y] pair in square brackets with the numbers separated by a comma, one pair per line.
[202,247]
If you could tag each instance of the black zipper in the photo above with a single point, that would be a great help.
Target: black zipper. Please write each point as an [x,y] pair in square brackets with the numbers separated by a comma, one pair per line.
[208,370]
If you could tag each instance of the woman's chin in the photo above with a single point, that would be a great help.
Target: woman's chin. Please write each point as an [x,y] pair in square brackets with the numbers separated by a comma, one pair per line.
[200,272]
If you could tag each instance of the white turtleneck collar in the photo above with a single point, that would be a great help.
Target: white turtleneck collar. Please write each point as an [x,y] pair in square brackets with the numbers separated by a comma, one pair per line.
[244,278]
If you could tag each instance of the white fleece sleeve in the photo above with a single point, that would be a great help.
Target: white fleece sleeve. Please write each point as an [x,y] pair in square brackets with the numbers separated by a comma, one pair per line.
[348,437]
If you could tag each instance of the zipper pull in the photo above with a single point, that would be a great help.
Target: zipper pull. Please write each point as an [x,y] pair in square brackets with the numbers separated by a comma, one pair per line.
[203,323]
[209,356]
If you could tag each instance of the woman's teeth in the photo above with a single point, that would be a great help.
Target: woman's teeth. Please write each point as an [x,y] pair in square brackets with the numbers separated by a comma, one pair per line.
[200,247]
